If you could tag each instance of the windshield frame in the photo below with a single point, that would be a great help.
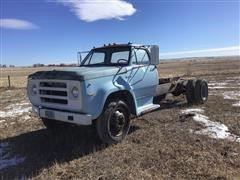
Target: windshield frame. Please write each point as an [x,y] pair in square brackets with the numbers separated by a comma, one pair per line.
[108,56]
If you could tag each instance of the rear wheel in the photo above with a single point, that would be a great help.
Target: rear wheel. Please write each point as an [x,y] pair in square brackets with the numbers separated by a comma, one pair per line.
[113,125]
[201,91]
[190,90]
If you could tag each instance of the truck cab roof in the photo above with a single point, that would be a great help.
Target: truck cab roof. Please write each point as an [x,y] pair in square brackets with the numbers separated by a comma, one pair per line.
[115,45]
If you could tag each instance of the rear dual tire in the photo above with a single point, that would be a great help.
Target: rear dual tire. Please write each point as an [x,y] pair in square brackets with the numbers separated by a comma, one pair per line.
[196,91]
[201,91]
[190,89]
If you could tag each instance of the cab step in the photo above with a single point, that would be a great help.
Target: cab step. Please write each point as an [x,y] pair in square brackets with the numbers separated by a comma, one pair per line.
[148,108]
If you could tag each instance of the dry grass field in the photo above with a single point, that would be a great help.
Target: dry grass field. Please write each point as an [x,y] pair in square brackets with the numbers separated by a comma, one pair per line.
[165,144]
[18,75]
[192,67]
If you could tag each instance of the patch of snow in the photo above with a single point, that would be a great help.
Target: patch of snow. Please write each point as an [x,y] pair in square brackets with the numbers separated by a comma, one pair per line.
[15,109]
[14,112]
[219,87]
[192,110]
[236,104]
[12,106]
[222,85]
[2,121]
[218,84]
[235,77]
[211,94]
[231,95]
[229,80]
[27,117]
[5,160]
[213,129]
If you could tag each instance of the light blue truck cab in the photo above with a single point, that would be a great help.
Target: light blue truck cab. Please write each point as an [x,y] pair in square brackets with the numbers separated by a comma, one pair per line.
[112,84]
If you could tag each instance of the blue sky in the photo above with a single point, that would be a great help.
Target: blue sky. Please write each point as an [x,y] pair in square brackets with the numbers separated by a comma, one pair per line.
[52,31]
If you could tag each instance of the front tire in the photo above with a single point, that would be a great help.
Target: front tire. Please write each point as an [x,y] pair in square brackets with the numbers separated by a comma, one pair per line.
[114,123]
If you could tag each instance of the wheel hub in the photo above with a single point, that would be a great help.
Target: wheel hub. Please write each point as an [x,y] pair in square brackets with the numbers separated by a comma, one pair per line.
[120,120]
[204,92]
[117,123]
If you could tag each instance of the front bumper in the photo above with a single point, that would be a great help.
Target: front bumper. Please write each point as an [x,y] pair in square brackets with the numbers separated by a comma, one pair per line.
[70,117]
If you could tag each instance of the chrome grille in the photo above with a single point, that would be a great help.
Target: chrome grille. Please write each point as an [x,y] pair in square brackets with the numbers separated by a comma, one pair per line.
[53,84]
[53,92]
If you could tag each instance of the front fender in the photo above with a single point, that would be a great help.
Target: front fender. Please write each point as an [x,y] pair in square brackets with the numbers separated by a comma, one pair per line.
[98,90]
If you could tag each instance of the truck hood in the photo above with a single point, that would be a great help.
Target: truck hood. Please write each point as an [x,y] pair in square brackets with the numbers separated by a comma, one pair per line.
[76,73]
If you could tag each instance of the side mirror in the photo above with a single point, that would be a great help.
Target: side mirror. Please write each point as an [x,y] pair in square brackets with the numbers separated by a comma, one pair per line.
[154,54]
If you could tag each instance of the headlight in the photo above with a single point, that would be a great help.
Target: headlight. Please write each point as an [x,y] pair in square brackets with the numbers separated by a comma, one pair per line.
[34,89]
[75,92]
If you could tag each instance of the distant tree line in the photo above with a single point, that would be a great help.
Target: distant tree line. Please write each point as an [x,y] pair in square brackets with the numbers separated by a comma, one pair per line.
[40,65]
[53,65]
[5,66]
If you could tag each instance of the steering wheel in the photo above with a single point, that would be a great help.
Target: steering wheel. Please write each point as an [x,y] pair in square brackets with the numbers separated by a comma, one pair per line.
[125,60]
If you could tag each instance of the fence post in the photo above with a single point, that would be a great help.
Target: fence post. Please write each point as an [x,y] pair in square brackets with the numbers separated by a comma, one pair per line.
[9,83]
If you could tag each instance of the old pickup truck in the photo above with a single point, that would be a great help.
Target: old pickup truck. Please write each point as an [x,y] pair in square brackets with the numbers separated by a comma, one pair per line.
[111,85]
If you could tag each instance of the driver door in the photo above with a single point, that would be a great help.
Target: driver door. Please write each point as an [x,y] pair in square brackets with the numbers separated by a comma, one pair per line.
[143,77]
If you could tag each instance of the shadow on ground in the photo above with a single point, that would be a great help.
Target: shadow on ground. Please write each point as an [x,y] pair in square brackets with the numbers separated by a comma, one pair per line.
[42,148]
[169,104]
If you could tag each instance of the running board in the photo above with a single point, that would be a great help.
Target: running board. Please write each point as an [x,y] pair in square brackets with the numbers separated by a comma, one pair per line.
[147,109]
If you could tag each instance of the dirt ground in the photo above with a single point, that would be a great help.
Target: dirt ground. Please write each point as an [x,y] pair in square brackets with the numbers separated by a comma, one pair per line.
[164,144]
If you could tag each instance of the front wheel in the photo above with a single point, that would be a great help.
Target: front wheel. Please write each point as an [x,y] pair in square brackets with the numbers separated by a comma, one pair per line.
[113,125]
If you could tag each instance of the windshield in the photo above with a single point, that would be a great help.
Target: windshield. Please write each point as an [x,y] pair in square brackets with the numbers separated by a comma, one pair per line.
[108,56]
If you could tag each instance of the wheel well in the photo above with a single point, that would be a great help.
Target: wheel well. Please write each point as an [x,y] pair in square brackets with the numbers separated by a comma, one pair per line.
[124,95]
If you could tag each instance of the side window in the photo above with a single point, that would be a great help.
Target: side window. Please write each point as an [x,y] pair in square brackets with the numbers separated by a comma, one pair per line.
[133,57]
[120,57]
[140,56]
